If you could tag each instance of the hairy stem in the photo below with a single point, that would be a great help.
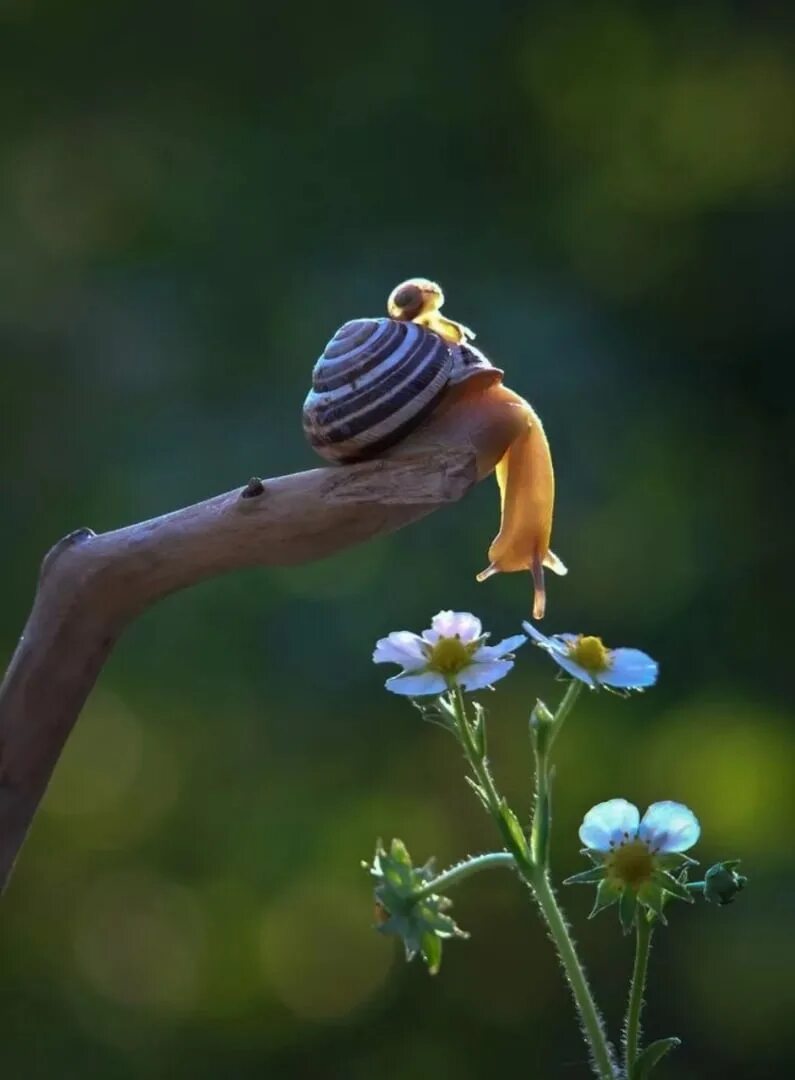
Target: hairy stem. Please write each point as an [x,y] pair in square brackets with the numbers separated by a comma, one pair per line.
[534,875]
[568,702]
[466,869]
[637,988]
[575,975]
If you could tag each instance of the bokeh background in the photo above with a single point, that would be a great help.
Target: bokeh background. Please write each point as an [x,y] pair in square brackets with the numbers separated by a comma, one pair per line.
[192,198]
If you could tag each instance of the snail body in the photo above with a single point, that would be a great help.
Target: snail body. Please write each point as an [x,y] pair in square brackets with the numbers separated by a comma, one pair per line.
[378,379]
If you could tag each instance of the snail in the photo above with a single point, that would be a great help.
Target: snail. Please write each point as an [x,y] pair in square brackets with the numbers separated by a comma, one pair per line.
[378,379]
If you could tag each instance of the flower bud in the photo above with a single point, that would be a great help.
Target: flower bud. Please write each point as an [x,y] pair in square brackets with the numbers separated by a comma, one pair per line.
[540,716]
[542,723]
[722,882]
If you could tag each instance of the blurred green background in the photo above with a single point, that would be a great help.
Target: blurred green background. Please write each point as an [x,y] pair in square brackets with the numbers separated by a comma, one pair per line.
[192,198]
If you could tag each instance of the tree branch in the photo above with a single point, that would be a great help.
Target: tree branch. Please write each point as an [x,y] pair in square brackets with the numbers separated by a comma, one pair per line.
[92,586]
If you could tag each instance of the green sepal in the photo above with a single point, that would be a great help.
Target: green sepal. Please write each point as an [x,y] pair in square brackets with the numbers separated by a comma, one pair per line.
[651,1056]
[587,877]
[675,860]
[627,909]
[672,886]
[653,898]
[606,894]
[421,923]
[431,949]
[436,712]
[597,857]
[479,729]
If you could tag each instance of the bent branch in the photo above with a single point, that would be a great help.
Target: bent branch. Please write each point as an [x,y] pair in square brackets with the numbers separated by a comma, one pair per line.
[92,586]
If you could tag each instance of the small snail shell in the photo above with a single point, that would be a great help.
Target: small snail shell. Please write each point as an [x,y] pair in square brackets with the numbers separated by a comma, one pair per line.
[377,379]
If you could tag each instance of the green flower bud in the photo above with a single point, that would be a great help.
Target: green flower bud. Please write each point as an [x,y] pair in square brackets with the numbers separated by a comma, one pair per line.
[542,724]
[722,882]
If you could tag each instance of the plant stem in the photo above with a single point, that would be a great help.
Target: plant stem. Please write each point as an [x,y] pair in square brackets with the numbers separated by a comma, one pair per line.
[539,834]
[636,991]
[567,704]
[478,763]
[535,876]
[543,739]
[586,1006]
[465,869]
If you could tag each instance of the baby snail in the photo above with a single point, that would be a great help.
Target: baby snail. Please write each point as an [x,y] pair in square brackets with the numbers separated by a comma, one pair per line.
[378,379]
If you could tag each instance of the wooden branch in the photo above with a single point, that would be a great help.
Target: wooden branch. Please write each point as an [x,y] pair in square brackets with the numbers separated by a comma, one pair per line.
[92,586]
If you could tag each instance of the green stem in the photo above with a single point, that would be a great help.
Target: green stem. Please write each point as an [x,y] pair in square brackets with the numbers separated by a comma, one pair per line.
[636,990]
[464,870]
[477,763]
[586,1006]
[539,834]
[573,691]
[543,739]
[534,875]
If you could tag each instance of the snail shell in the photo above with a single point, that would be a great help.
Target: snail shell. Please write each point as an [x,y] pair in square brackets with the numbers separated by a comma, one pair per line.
[377,379]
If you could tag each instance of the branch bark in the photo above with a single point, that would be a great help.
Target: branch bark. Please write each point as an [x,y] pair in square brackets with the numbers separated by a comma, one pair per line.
[92,586]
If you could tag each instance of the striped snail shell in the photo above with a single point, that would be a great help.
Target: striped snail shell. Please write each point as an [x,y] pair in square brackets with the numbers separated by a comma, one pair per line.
[377,379]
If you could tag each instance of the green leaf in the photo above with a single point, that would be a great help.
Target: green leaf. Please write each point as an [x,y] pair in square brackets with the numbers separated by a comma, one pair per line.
[606,894]
[515,829]
[671,885]
[651,1056]
[587,877]
[481,794]
[627,906]
[479,729]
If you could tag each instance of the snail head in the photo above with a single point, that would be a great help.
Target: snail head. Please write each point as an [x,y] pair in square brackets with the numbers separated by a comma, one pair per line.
[413,298]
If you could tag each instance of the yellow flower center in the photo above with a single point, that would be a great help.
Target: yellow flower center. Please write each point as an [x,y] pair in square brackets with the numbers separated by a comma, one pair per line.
[590,653]
[631,863]
[450,655]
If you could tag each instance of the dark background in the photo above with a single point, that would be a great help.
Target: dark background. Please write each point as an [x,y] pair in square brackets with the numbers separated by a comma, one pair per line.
[192,198]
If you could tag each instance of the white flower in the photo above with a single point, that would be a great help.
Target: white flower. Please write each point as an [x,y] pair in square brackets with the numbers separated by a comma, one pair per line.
[590,661]
[666,828]
[637,858]
[452,652]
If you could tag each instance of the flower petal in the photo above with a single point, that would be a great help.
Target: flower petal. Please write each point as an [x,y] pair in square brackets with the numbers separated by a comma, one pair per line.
[427,682]
[575,670]
[502,648]
[478,675]
[557,647]
[630,669]
[460,624]
[401,647]
[669,827]
[609,821]
[538,637]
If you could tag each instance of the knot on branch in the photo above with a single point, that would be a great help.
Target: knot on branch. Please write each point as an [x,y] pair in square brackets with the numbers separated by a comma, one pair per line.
[66,543]
[253,488]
